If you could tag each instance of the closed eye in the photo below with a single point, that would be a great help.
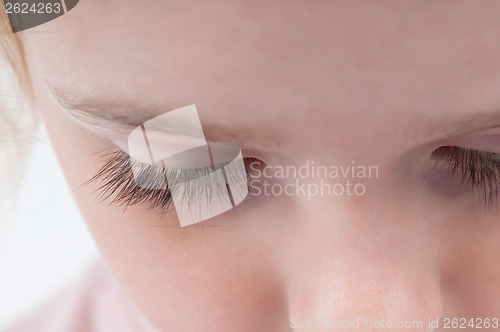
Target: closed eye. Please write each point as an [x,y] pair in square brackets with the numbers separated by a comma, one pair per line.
[117,182]
[476,169]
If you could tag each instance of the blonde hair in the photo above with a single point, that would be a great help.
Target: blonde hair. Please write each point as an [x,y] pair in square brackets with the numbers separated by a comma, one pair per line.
[17,118]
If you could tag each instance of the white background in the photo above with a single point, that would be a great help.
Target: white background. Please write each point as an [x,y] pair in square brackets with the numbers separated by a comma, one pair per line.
[47,245]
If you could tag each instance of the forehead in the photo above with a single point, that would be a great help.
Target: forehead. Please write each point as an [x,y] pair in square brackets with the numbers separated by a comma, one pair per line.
[302,63]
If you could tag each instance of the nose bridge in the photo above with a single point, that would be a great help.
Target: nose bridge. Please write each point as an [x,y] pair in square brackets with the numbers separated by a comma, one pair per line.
[353,273]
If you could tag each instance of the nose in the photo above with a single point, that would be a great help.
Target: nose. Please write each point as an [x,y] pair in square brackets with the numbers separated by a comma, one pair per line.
[364,298]
[362,281]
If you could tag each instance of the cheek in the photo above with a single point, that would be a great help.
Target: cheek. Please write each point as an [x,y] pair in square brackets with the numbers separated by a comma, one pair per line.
[183,276]
[470,269]
[195,275]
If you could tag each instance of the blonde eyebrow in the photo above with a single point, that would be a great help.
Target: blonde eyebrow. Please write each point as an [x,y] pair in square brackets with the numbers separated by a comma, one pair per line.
[96,110]
[118,119]
[452,125]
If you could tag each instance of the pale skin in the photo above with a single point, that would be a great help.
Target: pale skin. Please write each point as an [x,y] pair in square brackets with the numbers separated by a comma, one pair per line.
[379,82]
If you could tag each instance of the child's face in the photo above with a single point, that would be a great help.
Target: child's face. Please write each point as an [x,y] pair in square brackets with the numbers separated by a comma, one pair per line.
[382,83]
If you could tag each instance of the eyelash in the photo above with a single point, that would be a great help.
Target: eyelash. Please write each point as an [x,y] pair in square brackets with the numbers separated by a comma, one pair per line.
[477,169]
[116,181]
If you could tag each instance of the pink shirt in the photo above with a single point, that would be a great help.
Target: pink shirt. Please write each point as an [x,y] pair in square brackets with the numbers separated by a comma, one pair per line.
[96,303]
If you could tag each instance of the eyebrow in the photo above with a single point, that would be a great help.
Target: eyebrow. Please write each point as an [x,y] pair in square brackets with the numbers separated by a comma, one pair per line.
[100,113]
[452,125]
[118,117]
[113,118]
